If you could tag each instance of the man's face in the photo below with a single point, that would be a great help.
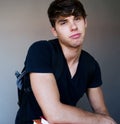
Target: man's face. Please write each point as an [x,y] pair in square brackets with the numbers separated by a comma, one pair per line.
[70,30]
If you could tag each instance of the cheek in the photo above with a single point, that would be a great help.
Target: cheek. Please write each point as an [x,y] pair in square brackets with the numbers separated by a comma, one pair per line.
[62,31]
[82,29]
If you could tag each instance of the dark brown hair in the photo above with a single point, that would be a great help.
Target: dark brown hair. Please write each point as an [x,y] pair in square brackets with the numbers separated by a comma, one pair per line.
[65,8]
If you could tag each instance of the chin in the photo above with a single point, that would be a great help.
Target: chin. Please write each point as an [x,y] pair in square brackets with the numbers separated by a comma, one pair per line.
[78,43]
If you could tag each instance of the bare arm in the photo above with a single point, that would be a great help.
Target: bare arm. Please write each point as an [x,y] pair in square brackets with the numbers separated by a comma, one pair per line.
[96,99]
[47,94]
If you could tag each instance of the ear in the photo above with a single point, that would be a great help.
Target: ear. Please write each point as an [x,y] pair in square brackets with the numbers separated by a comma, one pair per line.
[85,22]
[54,31]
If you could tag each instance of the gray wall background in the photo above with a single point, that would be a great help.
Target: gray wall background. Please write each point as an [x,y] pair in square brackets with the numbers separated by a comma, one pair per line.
[24,21]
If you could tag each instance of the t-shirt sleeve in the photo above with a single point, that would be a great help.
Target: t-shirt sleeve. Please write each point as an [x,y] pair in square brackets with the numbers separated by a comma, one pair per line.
[96,80]
[39,57]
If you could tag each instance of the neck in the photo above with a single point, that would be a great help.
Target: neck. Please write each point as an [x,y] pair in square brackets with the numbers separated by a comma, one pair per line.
[71,54]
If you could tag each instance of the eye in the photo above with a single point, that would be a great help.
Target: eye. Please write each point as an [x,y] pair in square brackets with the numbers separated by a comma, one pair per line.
[63,22]
[77,18]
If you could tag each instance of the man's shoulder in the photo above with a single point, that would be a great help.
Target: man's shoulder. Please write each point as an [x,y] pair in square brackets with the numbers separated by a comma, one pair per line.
[87,54]
[44,43]
[39,43]
[88,57]
[88,62]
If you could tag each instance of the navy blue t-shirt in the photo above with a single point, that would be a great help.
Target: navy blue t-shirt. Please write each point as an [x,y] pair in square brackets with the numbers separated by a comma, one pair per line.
[88,75]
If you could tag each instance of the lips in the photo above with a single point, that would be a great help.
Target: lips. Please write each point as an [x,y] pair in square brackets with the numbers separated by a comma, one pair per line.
[75,36]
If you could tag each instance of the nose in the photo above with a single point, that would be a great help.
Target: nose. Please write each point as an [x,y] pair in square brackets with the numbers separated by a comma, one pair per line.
[73,26]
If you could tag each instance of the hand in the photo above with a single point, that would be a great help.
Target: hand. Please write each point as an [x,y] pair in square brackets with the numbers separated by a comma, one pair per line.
[105,119]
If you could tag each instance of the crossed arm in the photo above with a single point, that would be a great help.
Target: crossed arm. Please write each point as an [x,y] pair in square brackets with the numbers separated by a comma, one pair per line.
[46,92]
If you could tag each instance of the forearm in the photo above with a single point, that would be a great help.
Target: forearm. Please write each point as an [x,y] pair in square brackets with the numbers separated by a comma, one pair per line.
[72,115]
[96,99]
[65,114]
[103,110]
[44,88]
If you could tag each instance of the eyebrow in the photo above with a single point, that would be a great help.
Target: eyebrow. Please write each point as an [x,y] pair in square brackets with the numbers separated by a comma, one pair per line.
[63,19]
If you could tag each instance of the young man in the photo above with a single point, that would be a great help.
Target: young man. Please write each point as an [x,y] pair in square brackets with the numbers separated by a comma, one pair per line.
[57,97]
